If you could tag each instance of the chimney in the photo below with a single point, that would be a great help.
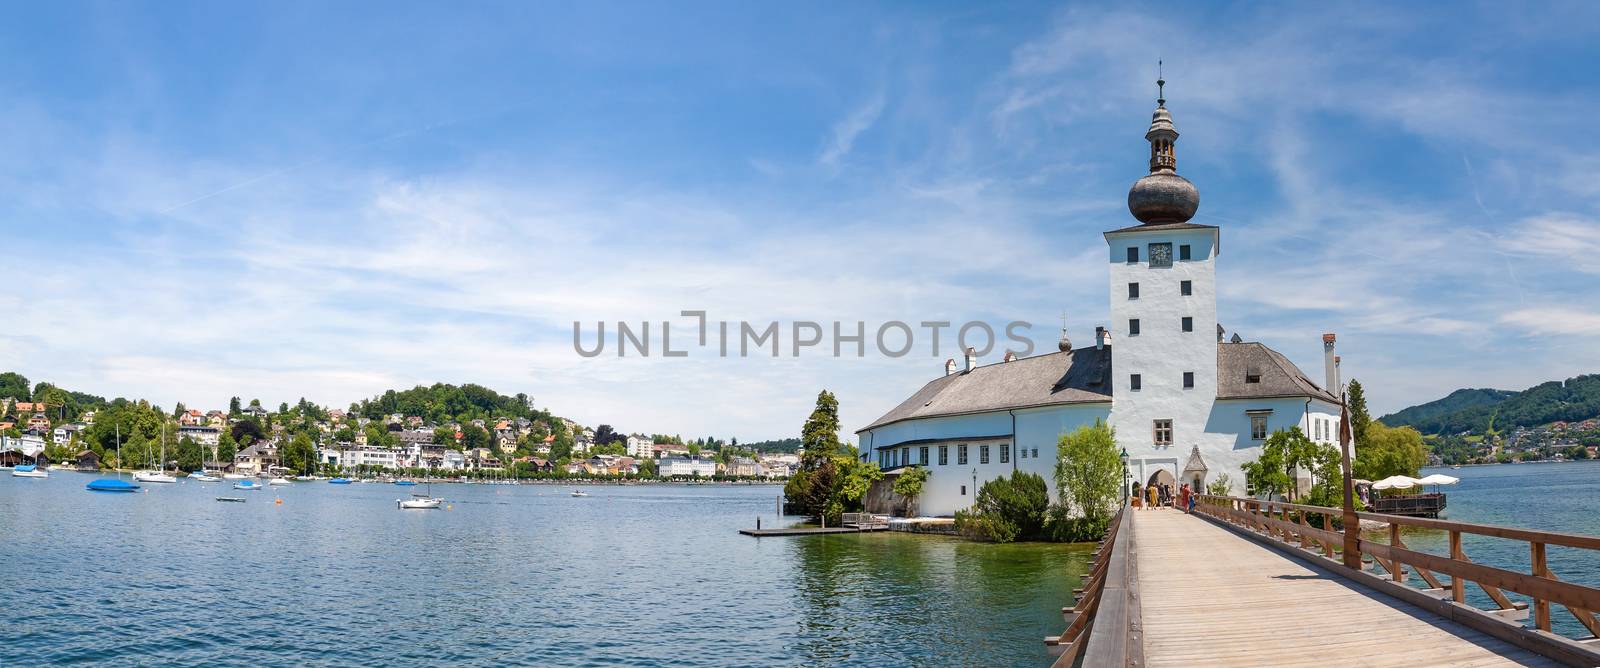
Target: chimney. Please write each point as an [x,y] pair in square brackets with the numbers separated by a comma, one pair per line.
[1102,337]
[972,358]
[1010,357]
[1330,364]
[949,366]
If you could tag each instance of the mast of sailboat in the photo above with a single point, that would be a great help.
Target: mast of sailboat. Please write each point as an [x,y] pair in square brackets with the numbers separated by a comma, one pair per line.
[119,450]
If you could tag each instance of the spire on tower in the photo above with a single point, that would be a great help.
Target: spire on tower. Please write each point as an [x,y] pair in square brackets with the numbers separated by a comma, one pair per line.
[1065,344]
[1163,196]
[1161,86]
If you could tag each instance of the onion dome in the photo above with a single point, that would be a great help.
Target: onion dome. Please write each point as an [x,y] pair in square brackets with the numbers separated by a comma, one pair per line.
[1162,196]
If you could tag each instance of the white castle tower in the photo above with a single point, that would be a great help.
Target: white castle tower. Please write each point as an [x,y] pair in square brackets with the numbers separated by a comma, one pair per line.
[1163,307]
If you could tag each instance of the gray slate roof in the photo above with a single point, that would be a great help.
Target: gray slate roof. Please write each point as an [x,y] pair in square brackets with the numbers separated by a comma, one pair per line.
[1079,376]
[1279,376]
[1084,376]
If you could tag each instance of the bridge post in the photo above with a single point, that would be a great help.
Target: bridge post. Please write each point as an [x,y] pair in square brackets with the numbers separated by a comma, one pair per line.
[1352,525]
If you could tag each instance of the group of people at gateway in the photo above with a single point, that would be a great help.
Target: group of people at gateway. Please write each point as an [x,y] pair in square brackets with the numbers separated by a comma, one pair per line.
[1160,494]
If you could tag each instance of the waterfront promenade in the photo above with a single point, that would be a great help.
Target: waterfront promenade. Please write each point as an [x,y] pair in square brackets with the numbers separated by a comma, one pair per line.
[1233,602]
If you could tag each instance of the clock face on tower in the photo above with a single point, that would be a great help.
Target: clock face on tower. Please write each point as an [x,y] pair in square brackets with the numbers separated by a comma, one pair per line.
[1161,255]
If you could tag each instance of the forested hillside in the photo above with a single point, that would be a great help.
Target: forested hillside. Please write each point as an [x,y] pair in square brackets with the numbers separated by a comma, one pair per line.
[1477,411]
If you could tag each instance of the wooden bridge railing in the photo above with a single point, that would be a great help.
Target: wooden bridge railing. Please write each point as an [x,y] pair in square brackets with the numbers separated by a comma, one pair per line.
[1109,600]
[1312,528]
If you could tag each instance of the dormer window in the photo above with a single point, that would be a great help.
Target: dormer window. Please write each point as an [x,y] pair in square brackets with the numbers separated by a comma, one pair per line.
[1252,377]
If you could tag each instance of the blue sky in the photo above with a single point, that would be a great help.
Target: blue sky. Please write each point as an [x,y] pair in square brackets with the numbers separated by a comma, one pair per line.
[283,200]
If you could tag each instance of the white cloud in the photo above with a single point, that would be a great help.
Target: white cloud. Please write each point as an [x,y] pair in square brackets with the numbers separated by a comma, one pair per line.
[846,131]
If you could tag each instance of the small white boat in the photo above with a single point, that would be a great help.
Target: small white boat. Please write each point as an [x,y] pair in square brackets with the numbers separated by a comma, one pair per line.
[202,476]
[234,476]
[250,485]
[579,492]
[280,481]
[152,476]
[29,471]
[419,504]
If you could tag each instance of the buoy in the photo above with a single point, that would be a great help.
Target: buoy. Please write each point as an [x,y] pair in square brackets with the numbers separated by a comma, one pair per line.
[277,502]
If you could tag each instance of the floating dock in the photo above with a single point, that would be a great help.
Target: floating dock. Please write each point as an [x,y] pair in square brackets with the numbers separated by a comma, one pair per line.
[811,531]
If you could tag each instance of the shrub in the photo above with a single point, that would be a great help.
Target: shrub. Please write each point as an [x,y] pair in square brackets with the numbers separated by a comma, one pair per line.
[1007,509]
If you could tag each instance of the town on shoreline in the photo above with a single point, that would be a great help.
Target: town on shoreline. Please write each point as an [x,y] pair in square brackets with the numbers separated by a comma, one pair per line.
[441,433]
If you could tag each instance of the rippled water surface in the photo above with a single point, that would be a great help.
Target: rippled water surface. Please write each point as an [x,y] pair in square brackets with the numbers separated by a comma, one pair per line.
[1561,497]
[650,575]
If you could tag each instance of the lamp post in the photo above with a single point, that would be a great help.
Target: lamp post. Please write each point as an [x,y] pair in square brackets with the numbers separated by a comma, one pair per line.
[1124,457]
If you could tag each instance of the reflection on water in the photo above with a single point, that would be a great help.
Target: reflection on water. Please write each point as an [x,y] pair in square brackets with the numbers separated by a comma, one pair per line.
[649,575]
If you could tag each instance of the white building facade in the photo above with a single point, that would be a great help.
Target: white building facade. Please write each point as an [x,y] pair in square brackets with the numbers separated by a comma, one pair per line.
[1187,405]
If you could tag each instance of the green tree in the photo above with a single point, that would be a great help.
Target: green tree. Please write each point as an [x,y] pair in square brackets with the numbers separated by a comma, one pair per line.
[1089,472]
[227,447]
[1360,419]
[299,454]
[1007,509]
[190,457]
[473,437]
[908,485]
[1222,486]
[1388,451]
[817,481]
[1286,454]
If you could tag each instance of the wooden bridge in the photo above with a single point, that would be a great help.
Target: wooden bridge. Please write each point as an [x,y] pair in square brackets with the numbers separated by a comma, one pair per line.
[1242,582]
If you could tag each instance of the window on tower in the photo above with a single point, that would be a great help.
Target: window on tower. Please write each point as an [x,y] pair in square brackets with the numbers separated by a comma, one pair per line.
[1183,252]
[1135,382]
[1188,324]
[1133,291]
[1163,432]
[961,455]
[1133,327]
[1133,254]
[1188,380]
[1186,288]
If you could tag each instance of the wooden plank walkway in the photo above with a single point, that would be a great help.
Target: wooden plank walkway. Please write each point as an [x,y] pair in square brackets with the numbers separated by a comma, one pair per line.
[1213,598]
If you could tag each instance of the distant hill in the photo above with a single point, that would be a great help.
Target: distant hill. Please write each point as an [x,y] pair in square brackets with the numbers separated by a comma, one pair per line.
[1432,412]
[1476,410]
[781,445]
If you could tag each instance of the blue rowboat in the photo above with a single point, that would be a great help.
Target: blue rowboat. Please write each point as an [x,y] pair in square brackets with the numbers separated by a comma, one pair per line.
[405,483]
[111,485]
[339,481]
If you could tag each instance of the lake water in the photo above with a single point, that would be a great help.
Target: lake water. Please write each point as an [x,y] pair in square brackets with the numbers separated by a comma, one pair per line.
[648,575]
[1552,497]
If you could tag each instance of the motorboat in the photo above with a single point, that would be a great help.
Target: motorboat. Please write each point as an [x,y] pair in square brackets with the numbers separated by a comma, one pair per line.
[29,471]
[201,476]
[235,476]
[579,492]
[249,485]
[280,481]
[428,503]
[304,478]
[111,485]
[153,476]
[339,481]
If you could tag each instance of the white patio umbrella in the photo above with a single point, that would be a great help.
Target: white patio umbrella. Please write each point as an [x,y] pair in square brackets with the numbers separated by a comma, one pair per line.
[1396,482]
[1438,479]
